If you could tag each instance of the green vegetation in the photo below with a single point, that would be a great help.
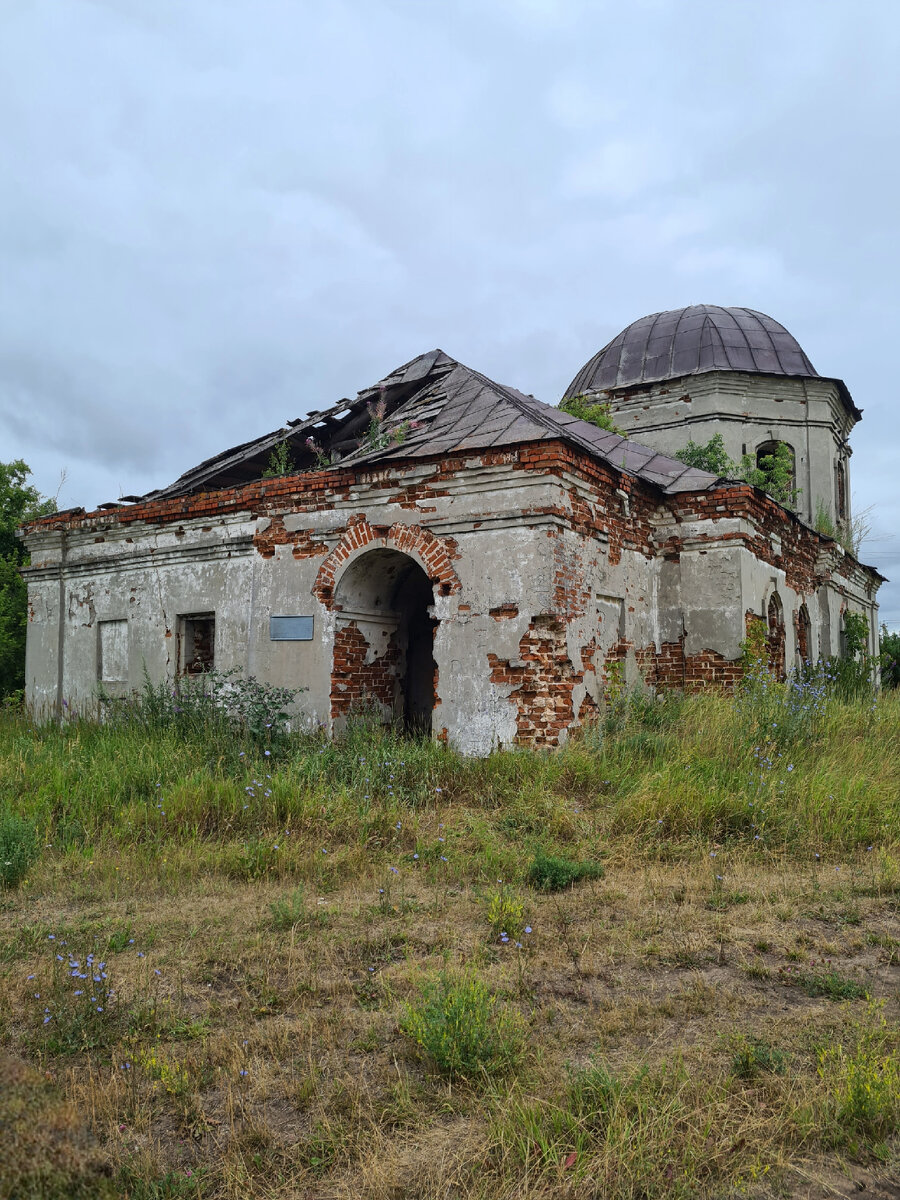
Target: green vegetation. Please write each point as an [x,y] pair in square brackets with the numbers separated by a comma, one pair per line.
[890,658]
[280,462]
[215,707]
[773,473]
[462,1028]
[863,1080]
[246,962]
[19,502]
[18,846]
[555,872]
[711,456]
[598,414]
[753,1056]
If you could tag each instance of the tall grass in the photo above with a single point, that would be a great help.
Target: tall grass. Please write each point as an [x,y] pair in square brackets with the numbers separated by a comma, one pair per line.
[374,964]
[665,775]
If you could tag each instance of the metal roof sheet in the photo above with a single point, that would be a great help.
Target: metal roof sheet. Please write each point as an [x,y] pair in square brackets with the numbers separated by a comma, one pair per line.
[432,406]
[694,341]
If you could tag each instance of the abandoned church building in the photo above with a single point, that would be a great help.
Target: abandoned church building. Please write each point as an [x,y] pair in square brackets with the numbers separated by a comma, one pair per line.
[472,561]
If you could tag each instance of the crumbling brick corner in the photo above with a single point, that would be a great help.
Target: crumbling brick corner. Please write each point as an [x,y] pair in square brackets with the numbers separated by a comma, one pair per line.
[542,682]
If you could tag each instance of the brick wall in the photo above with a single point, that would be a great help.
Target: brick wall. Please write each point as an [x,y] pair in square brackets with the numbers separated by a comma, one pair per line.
[542,682]
[356,682]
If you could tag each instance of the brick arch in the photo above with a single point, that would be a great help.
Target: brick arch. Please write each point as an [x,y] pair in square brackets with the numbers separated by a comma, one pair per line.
[420,544]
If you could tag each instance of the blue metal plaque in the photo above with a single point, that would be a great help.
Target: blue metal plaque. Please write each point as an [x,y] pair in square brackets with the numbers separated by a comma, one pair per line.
[290,629]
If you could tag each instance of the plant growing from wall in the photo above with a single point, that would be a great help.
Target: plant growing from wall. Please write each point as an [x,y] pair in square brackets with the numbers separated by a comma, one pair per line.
[281,462]
[598,414]
[850,533]
[712,457]
[378,436]
[323,458]
[774,473]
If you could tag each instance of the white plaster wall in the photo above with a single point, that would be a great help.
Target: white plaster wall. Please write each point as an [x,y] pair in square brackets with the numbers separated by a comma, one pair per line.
[747,410]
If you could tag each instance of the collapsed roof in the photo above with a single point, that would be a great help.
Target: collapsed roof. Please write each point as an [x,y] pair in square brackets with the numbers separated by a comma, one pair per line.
[432,406]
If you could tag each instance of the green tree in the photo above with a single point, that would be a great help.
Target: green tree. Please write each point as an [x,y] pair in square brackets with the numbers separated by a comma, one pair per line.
[774,473]
[712,457]
[281,462]
[598,414]
[19,502]
[890,657]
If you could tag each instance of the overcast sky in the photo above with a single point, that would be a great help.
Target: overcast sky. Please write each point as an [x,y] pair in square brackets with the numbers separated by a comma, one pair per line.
[216,215]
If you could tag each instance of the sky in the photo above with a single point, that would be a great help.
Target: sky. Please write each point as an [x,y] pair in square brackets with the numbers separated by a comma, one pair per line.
[221,214]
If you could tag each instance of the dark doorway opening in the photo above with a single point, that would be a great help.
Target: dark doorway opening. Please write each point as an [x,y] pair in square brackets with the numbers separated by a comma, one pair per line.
[384,641]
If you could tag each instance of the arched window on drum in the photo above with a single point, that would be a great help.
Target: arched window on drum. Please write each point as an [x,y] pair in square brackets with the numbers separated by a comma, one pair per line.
[841,490]
[777,464]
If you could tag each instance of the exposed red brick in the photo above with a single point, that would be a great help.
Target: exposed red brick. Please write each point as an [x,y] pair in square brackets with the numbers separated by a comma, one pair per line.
[435,553]
[355,682]
[542,687]
[503,612]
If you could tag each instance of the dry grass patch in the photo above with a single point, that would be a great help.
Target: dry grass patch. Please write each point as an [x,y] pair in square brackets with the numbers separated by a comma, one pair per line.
[339,992]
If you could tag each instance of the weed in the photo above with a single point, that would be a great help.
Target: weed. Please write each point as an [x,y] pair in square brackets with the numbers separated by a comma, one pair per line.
[19,843]
[185,1184]
[326,1145]
[506,914]
[751,1057]
[288,911]
[120,939]
[220,703]
[78,1006]
[756,970]
[553,873]
[823,979]
[720,899]
[462,1028]
[863,1080]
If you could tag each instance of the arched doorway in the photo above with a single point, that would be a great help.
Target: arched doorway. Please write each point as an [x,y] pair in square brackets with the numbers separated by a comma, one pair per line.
[384,641]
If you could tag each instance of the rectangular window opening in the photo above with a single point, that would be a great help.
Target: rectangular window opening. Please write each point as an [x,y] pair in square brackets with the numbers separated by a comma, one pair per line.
[197,652]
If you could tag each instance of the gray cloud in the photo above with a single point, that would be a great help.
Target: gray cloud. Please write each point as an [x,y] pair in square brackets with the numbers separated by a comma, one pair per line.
[219,215]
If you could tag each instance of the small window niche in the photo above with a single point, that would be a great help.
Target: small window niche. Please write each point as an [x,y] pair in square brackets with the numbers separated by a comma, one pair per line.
[197,651]
[112,666]
[841,488]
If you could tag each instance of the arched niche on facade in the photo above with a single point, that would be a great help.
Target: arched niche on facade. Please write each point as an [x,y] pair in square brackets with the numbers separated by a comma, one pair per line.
[804,634]
[775,635]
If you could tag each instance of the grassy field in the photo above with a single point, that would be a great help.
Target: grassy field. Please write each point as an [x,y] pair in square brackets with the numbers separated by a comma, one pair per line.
[663,961]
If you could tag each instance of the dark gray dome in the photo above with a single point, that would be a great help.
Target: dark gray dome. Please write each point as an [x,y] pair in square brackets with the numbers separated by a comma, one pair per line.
[691,341]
